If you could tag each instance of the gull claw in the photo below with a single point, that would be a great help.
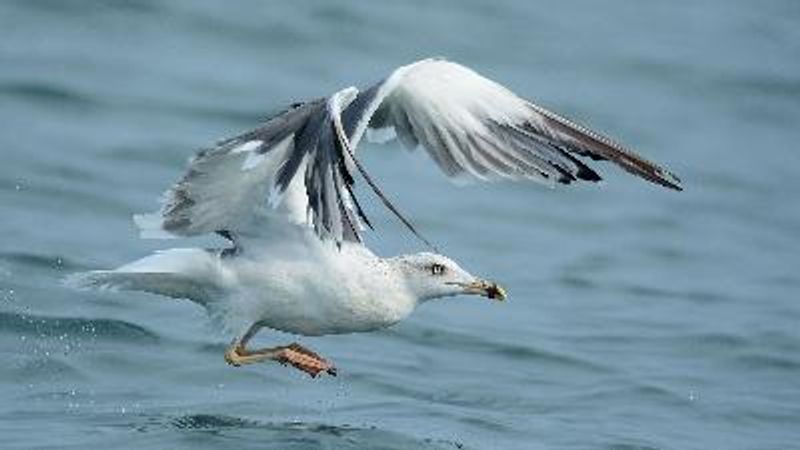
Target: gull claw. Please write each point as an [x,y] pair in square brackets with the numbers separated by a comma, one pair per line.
[305,360]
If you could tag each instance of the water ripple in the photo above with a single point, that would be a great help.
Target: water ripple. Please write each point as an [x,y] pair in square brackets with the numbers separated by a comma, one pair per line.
[110,329]
[297,434]
[47,93]
[764,361]
[484,344]
[37,260]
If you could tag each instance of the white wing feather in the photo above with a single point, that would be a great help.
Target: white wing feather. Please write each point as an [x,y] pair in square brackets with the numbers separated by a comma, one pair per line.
[471,125]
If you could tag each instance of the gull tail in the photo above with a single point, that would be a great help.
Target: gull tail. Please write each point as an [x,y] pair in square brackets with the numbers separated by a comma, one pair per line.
[188,273]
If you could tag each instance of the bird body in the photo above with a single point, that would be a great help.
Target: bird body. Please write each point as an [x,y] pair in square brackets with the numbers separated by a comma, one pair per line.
[333,292]
[313,289]
[282,194]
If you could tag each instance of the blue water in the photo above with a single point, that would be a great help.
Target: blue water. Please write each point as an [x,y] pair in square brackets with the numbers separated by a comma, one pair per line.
[638,318]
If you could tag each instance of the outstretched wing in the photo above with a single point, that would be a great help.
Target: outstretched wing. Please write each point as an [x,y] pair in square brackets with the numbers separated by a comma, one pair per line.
[289,170]
[470,125]
[297,167]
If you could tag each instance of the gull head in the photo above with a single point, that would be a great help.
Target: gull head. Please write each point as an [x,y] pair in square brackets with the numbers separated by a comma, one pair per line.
[430,276]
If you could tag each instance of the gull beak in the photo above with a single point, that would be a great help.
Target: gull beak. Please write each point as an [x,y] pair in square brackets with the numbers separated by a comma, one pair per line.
[488,289]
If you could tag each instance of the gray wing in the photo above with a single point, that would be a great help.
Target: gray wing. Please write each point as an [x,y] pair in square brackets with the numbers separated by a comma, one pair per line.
[470,125]
[288,171]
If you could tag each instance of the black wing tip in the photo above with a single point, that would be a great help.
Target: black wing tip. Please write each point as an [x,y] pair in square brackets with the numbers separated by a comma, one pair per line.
[675,187]
[668,180]
[587,174]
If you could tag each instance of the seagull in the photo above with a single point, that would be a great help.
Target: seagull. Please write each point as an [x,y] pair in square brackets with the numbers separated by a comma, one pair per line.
[282,197]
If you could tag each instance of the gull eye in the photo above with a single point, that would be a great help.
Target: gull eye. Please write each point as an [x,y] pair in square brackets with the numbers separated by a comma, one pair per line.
[438,269]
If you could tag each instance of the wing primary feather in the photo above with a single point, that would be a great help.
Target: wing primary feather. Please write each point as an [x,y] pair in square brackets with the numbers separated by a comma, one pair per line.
[583,172]
[404,129]
[527,166]
[358,208]
[586,142]
[343,141]
[569,167]
[348,182]
[441,153]
[354,236]
[306,139]
[498,166]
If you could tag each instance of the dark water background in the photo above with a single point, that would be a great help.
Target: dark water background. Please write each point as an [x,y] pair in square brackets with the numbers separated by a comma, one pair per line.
[639,318]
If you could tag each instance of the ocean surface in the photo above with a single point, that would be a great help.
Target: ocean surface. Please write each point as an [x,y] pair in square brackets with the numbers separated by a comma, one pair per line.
[638,318]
